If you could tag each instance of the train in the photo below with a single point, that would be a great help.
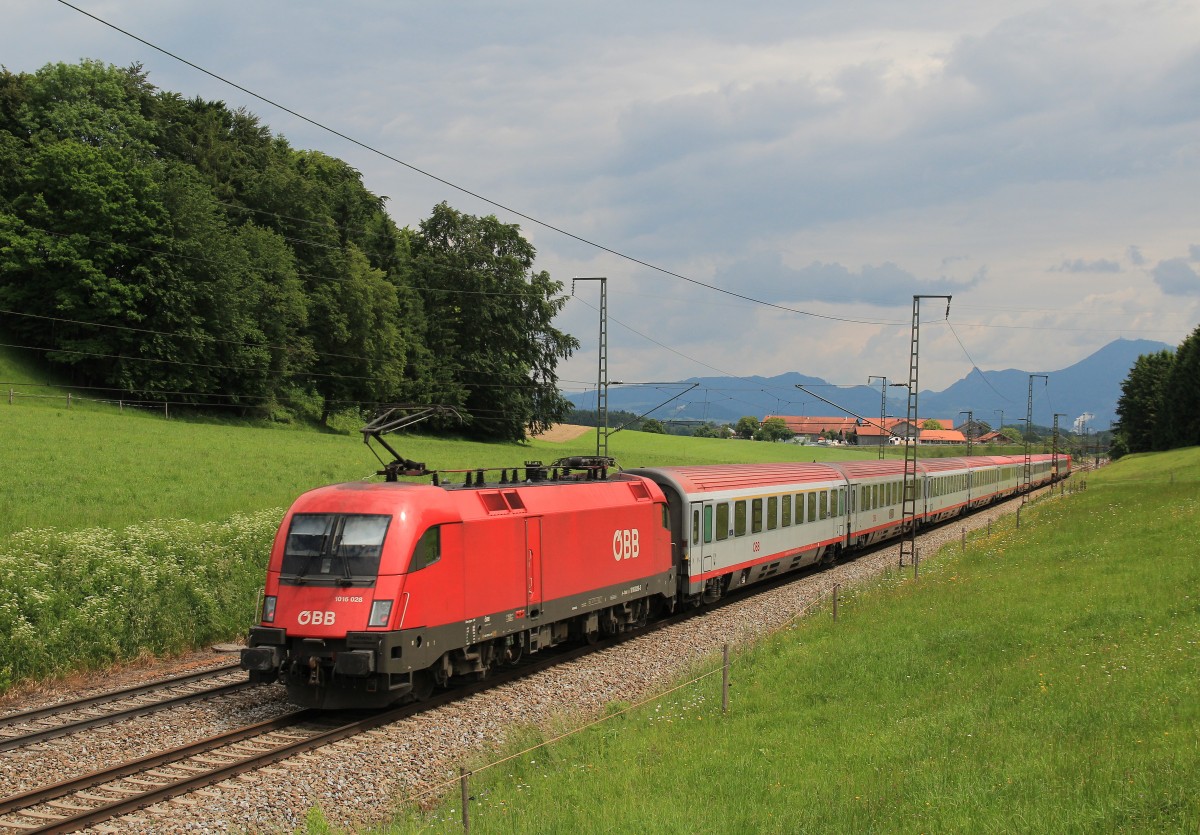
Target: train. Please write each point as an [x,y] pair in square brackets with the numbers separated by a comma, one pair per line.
[381,592]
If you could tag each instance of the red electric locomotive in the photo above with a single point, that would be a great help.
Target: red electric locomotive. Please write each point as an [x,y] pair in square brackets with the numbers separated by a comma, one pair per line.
[380,591]
[376,591]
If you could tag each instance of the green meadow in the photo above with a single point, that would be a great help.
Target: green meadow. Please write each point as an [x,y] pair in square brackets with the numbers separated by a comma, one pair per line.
[1044,680]
[97,466]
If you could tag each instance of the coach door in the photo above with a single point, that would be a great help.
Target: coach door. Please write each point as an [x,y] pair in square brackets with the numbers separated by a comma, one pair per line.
[533,566]
[700,548]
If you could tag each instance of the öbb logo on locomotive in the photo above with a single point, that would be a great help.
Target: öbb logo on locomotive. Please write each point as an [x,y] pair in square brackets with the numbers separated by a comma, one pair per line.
[626,544]
[369,585]
[308,616]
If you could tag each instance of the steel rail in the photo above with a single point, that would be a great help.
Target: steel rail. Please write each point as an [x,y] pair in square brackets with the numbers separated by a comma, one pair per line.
[115,695]
[9,743]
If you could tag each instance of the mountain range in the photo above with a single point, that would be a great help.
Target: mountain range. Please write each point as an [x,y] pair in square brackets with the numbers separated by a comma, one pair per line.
[1086,393]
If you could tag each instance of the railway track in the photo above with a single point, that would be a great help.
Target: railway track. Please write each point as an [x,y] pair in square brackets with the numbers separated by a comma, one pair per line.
[33,726]
[127,787]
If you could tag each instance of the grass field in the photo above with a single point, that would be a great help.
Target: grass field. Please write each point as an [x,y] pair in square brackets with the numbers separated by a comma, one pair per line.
[97,466]
[1044,681]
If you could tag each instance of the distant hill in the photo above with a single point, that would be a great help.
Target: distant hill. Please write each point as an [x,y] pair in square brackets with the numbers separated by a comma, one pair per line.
[1090,386]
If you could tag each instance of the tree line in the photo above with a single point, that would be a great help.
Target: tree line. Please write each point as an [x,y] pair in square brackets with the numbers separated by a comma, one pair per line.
[1159,406]
[163,246]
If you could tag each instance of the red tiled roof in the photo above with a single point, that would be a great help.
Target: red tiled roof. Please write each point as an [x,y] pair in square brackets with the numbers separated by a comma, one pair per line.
[945,436]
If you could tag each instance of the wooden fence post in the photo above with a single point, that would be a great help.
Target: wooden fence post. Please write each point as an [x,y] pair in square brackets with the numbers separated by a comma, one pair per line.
[466,814]
[725,679]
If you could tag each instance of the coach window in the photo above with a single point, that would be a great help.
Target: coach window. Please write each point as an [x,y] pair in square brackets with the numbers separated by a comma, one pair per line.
[786,515]
[772,512]
[428,550]
[723,521]
[824,504]
[708,523]
[695,527]
[835,505]
[756,516]
[739,518]
[812,507]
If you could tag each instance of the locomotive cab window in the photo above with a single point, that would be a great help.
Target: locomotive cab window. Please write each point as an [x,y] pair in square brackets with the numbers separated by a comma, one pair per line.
[428,549]
[337,548]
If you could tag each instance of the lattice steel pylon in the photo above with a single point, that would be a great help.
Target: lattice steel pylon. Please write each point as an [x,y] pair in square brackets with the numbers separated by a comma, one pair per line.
[883,387]
[1029,432]
[602,370]
[1054,455]
[908,545]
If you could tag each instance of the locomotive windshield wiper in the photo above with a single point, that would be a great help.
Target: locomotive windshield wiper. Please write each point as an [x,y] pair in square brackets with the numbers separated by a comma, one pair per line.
[300,575]
[348,577]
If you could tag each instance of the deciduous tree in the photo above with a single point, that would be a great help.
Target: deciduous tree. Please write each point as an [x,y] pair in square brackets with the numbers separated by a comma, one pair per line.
[489,320]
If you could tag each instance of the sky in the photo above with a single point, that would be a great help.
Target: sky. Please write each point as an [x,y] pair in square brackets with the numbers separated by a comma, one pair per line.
[765,185]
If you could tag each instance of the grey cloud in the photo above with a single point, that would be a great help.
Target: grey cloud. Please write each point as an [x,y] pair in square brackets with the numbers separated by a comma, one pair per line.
[1135,256]
[765,276]
[1176,278]
[1079,265]
[1194,252]
[1026,103]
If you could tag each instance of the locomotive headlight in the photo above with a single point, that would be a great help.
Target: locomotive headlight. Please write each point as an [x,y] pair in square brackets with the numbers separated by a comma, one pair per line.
[381,611]
[268,609]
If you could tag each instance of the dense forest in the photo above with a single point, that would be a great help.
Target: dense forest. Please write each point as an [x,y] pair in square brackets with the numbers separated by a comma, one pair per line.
[171,248]
[1159,407]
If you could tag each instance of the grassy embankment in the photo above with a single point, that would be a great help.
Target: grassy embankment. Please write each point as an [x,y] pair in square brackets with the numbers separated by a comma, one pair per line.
[123,533]
[1044,681]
